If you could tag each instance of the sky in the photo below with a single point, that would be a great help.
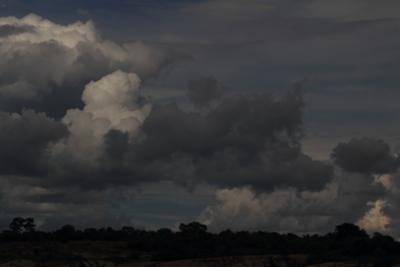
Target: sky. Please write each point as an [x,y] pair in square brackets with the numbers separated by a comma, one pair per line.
[242,114]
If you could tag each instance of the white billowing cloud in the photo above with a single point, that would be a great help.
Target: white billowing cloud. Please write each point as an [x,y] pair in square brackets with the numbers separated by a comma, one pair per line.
[352,198]
[39,55]
[40,30]
[375,220]
[281,210]
[111,103]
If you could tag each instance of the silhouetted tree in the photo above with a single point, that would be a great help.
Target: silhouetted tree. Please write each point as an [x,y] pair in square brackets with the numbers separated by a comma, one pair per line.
[193,228]
[192,241]
[17,225]
[383,258]
[348,230]
[29,225]
[67,232]
[129,230]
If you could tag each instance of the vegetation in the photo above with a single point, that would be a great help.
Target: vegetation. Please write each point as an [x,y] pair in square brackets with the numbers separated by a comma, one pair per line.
[346,243]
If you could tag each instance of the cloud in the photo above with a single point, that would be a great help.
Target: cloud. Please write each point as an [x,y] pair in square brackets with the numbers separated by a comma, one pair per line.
[111,103]
[203,91]
[243,140]
[388,181]
[76,149]
[299,210]
[118,139]
[375,220]
[225,9]
[352,9]
[106,138]
[258,9]
[286,210]
[365,155]
[53,208]
[25,141]
[7,30]
[43,62]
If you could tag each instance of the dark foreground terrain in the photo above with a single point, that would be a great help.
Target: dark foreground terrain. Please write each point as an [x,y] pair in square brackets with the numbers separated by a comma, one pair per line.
[192,246]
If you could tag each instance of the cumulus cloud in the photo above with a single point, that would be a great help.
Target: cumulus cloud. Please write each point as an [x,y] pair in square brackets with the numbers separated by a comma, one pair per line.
[7,30]
[110,137]
[111,103]
[43,61]
[388,181]
[118,139]
[284,210]
[248,144]
[25,140]
[375,220]
[244,140]
[365,155]
[302,211]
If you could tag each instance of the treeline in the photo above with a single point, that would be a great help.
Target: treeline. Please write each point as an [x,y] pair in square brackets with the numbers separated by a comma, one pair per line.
[346,242]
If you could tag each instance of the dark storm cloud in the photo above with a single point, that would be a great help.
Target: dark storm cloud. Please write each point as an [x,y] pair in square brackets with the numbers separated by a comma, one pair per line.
[202,91]
[249,143]
[365,155]
[53,208]
[47,198]
[244,140]
[24,140]
[343,48]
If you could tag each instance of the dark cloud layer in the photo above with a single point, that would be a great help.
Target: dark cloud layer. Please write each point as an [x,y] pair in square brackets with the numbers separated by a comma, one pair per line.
[245,140]
[365,155]
[24,140]
[246,143]
[202,91]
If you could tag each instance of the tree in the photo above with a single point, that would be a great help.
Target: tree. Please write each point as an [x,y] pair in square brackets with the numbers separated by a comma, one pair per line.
[67,232]
[128,230]
[383,258]
[193,228]
[29,225]
[348,230]
[17,225]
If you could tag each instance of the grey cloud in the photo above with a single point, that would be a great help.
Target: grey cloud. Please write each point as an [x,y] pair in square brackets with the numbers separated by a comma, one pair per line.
[256,9]
[43,62]
[365,155]
[24,141]
[10,30]
[244,140]
[53,208]
[52,197]
[344,199]
[203,91]
[352,9]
